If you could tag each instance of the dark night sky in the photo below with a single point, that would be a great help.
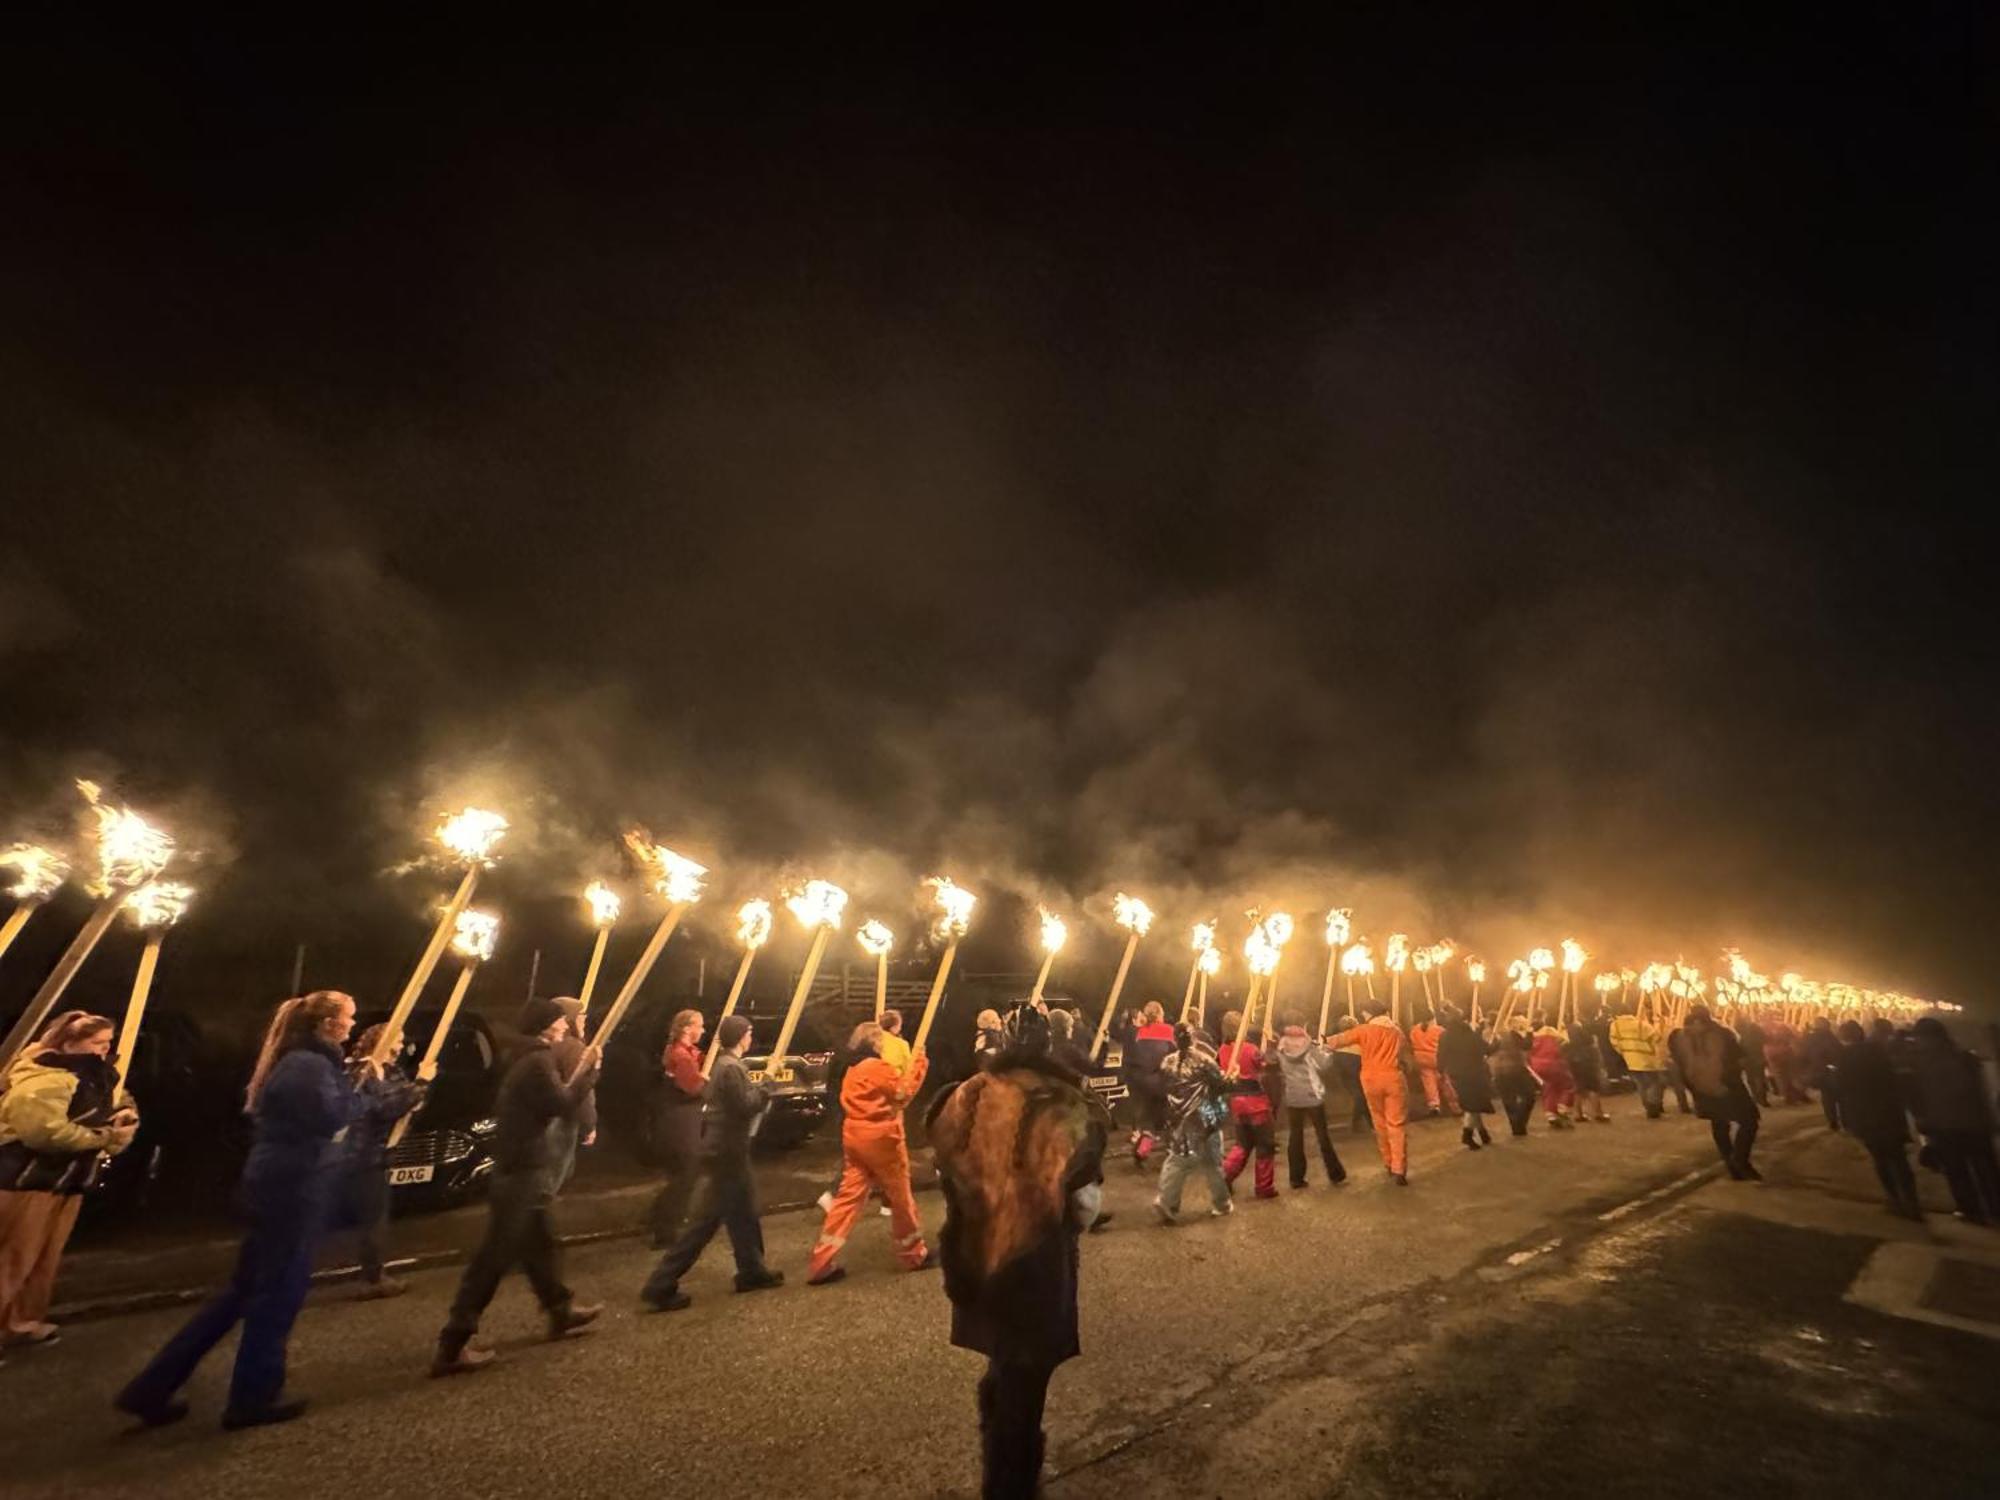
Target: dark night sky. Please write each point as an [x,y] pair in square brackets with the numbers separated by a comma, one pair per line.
[1517,489]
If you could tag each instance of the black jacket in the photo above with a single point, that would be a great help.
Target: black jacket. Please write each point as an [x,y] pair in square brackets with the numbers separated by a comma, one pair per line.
[1870,1096]
[533,1093]
[1462,1059]
[729,1111]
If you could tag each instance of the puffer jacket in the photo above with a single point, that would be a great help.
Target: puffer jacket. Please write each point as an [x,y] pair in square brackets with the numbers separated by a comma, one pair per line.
[1191,1079]
[52,1120]
[1638,1042]
[1302,1060]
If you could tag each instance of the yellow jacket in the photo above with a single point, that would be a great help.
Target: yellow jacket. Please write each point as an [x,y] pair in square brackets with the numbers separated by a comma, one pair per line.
[894,1051]
[1638,1042]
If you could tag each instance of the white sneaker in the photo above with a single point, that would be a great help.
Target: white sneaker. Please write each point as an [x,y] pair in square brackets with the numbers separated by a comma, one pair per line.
[1223,1212]
[825,1201]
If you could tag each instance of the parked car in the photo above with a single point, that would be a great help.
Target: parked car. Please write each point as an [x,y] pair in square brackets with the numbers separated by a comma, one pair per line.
[447,1154]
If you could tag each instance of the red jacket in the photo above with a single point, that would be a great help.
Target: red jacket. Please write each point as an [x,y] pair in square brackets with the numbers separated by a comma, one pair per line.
[1251,1106]
[683,1065]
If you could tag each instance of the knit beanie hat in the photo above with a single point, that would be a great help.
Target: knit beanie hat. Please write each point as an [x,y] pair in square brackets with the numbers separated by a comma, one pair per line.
[538,1015]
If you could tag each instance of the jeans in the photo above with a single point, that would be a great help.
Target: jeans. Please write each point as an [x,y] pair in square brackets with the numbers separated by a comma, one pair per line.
[564,1135]
[1735,1153]
[1296,1118]
[1206,1161]
[1519,1102]
[1970,1170]
[1012,1394]
[1679,1085]
[726,1198]
[1892,1166]
[364,1209]
[265,1292]
[1652,1091]
[518,1231]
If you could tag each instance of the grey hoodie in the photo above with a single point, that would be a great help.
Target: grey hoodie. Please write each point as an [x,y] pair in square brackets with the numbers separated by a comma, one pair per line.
[1302,1059]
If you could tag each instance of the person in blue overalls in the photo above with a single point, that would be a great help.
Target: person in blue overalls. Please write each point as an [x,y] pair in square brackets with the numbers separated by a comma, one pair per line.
[300,1101]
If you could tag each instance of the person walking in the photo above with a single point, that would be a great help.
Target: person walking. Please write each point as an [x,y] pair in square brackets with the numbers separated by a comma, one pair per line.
[1587,1069]
[1548,1056]
[677,1125]
[299,1100]
[1956,1117]
[1781,1057]
[1873,1110]
[1151,1043]
[1515,1080]
[873,1147]
[63,1112]
[1302,1063]
[1197,1103]
[1637,1040]
[1382,1047]
[1016,1146]
[1712,1061]
[1819,1057]
[985,1038]
[1424,1037]
[1462,1055]
[533,1094]
[889,1045]
[386,1094]
[1249,1109]
[1756,1069]
[1347,1067]
[1064,1050]
[726,1197]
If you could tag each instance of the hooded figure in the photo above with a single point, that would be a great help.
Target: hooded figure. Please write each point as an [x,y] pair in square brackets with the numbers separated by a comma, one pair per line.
[1016,1146]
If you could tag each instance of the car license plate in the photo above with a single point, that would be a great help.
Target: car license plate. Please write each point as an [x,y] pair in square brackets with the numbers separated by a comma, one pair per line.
[783,1075]
[403,1176]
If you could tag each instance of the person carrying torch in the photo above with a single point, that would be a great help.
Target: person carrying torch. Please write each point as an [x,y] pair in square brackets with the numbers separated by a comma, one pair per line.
[533,1096]
[1382,1042]
[873,1096]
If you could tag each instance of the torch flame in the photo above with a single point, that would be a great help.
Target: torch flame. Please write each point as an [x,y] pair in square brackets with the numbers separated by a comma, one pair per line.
[875,939]
[604,903]
[820,903]
[1055,932]
[1738,965]
[1422,959]
[1396,955]
[474,935]
[1475,970]
[954,903]
[674,876]
[1606,983]
[471,834]
[39,871]
[1210,961]
[1441,952]
[1204,937]
[1573,955]
[1358,960]
[1541,960]
[1131,913]
[1278,928]
[159,903]
[1260,950]
[1339,926]
[753,924]
[130,851]
[1522,972]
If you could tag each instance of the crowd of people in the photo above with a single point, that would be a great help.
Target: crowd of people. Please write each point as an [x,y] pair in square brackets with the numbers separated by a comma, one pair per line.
[1020,1148]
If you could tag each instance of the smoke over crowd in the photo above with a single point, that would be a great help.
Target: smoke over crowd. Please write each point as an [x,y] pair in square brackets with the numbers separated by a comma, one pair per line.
[1248,491]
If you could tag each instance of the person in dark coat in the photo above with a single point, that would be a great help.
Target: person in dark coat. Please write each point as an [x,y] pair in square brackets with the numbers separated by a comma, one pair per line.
[727,1196]
[1064,1049]
[1016,1147]
[1956,1118]
[1586,1066]
[1347,1068]
[986,1039]
[533,1094]
[1711,1060]
[1515,1082]
[1756,1077]
[677,1124]
[1872,1111]
[386,1094]
[1821,1053]
[299,1101]
[1462,1054]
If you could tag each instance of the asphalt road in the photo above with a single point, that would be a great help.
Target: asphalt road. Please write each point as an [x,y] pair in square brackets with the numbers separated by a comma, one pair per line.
[1507,1325]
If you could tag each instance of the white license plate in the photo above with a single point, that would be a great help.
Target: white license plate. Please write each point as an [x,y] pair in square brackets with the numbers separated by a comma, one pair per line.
[783,1075]
[403,1176]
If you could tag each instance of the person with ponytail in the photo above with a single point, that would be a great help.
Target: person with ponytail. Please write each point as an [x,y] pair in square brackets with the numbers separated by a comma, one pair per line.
[300,1100]
[63,1111]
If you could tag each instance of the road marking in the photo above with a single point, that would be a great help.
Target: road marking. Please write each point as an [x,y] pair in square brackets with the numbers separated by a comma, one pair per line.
[1522,1257]
[1610,1215]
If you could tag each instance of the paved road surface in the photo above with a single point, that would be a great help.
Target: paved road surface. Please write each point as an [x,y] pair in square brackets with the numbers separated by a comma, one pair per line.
[1502,1327]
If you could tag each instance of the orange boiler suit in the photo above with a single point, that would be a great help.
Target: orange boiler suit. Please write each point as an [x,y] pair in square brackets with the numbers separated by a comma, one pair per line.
[1424,1040]
[873,1097]
[1381,1044]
